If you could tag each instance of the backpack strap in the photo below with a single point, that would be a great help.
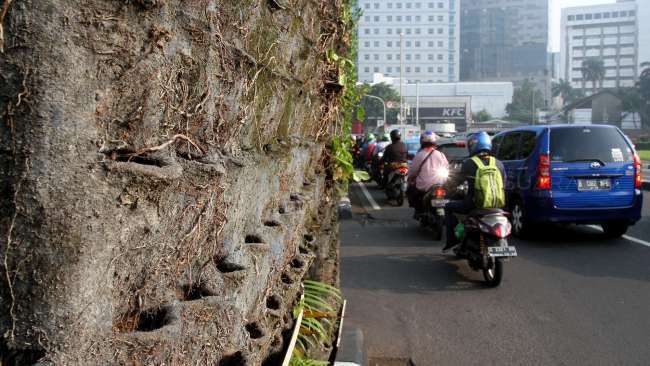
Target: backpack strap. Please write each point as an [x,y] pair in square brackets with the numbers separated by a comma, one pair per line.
[478,161]
[493,162]
[423,161]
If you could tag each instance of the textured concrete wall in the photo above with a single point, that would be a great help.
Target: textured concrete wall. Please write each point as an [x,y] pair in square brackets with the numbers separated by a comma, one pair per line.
[163,177]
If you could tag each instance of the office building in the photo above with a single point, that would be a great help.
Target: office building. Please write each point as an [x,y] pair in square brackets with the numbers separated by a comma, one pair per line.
[608,32]
[505,40]
[430,32]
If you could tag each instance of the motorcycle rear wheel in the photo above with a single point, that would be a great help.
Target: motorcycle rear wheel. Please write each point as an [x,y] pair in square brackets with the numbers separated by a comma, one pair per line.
[494,273]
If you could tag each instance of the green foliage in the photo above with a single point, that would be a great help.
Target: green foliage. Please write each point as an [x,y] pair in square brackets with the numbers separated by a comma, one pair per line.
[593,69]
[566,91]
[643,87]
[523,100]
[350,97]
[482,116]
[319,303]
[374,108]
[644,155]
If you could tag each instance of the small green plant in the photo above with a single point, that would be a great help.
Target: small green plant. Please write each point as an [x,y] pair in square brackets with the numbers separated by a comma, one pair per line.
[319,306]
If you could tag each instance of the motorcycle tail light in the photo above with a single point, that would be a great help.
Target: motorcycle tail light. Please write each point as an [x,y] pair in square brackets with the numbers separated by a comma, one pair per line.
[501,231]
[440,192]
[403,170]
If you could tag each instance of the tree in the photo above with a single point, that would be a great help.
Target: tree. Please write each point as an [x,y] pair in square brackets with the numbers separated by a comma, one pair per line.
[373,107]
[525,100]
[566,91]
[632,102]
[482,116]
[593,69]
[643,88]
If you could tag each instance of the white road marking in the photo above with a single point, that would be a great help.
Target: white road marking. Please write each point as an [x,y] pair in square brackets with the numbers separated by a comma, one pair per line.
[372,202]
[626,237]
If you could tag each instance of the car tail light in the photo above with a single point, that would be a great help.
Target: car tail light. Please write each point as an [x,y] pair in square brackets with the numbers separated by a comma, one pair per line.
[544,172]
[638,178]
[460,144]
[440,192]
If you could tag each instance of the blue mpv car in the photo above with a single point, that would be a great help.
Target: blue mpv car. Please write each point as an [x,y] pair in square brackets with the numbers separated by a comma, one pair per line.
[583,174]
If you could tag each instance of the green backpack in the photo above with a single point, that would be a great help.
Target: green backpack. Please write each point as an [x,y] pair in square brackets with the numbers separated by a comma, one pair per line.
[488,185]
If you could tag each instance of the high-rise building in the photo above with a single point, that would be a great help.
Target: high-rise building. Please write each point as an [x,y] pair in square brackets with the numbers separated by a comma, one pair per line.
[643,11]
[608,32]
[505,40]
[429,30]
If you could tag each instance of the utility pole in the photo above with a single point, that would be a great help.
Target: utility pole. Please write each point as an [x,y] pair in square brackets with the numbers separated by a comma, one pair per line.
[417,103]
[532,111]
[383,103]
[401,77]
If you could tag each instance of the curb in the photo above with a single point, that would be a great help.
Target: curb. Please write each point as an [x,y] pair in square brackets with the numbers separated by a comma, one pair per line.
[345,208]
[352,350]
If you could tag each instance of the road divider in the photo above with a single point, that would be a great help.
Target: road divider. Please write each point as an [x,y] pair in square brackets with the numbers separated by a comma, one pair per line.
[626,237]
[371,200]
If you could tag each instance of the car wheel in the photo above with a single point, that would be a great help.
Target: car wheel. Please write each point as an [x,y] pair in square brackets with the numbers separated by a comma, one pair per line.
[614,229]
[519,225]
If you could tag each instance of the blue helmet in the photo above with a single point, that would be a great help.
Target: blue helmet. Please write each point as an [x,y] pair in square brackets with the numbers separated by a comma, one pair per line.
[479,142]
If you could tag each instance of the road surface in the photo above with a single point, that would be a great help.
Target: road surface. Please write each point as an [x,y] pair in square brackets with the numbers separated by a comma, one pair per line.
[570,298]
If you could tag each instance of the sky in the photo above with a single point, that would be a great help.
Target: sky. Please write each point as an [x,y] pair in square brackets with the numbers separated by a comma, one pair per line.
[556,13]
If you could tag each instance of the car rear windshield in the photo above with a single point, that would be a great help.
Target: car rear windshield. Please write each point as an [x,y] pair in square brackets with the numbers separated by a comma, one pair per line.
[454,152]
[578,144]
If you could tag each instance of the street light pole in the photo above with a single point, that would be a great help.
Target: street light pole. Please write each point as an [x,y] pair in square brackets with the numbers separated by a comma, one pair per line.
[383,103]
[401,77]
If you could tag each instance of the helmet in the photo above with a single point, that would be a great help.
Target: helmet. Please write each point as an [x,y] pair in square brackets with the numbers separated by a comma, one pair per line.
[385,137]
[370,137]
[479,142]
[428,137]
[395,135]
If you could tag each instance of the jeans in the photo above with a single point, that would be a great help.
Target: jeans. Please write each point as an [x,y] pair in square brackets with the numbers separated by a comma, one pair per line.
[452,208]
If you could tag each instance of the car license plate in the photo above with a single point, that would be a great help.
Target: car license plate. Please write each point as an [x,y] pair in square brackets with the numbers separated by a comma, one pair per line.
[594,184]
[439,203]
[502,251]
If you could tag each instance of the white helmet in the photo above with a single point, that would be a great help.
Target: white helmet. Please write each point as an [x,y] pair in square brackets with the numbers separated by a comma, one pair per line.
[428,136]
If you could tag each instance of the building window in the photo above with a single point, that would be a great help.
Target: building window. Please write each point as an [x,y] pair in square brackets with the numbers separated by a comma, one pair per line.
[389,43]
[408,57]
[614,14]
[451,57]
[366,18]
[389,18]
[441,44]
[418,44]
[441,5]
[430,57]
[623,13]
[580,17]
[389,69]
[631,13]
[418,18]
[408,43]
[376,69]
[408,69]
[431,18]
[398,5]
[376,18]
[389,5]
[441,31]
[598,16]
[366,69]
[398,69]
[376,5]
[398,18]
[571,17]
[376,43]
[366,56]
[418,5]
[376,30]
[389,31]
[452,19]
[440,57]
[366,31]
[430,70]
[440,70]
[430,44]
[408,5]
[366,5]
[366,44]
[430,5]
[417,30]
[441,18]
[417,69]
[408,30]
[389,57]
[408,18]
[606,15]
[588,16]
[376,57]
[417,57]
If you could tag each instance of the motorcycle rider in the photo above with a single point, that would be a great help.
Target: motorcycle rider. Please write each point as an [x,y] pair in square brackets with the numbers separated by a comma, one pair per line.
[428,168]
[368,148]
[396,153]
[478,144]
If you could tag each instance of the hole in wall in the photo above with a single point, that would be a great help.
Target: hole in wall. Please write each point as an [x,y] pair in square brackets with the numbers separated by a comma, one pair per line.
[225,266]
[272,223]
[195,291]
[138,159]
[254,330]
[19,357]
[273,302]
[253,239]
[297,263]
[303,250]
[294,197]
[234,359]
[286,279]
[282,210]
[152,319]
[309,238]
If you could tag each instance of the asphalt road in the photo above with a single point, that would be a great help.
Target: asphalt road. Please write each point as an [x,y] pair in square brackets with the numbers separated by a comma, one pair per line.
[570,298]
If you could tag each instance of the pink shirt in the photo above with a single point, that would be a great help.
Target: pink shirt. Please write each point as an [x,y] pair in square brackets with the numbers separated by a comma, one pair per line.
[429,174]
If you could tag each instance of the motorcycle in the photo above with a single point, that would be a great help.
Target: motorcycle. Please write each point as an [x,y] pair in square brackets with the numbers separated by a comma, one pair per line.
[396,182]
[484,243]
[433,215]
[377,168]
